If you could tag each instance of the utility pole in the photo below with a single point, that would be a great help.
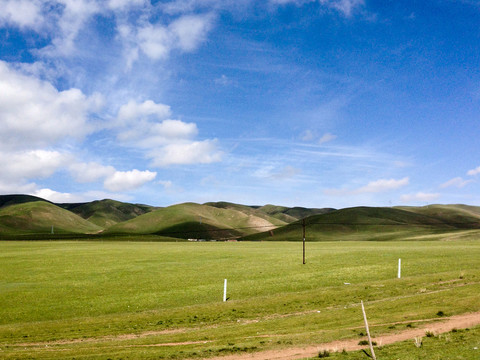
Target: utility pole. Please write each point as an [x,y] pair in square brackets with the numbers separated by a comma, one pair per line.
[303,226]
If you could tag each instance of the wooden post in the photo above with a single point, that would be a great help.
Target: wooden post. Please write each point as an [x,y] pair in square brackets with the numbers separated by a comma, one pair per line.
[303,225]
[368,332]
[399,268]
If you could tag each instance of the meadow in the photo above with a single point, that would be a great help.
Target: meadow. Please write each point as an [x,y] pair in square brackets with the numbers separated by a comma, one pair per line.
[164,300]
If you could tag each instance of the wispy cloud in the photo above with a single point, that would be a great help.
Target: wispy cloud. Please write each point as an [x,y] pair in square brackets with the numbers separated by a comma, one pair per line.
[474,172]
[455,182]
[419,197]
[377,186]
[326,138]
[345,7]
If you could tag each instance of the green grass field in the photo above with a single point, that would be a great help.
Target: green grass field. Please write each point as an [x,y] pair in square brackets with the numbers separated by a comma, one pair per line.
[91,299]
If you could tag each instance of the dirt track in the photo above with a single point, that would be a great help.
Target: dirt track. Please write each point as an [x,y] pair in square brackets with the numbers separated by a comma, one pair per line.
[446,325]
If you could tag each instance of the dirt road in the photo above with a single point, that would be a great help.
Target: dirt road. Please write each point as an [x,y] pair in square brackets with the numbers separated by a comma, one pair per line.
[447,324]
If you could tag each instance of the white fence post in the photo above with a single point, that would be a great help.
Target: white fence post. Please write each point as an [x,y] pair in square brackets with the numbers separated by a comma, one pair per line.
[399,268]
[225,291]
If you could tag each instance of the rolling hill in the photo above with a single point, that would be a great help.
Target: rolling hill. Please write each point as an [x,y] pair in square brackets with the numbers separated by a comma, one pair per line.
[190,220]
[371,223]
[106,213]
[21,215]
[41,217]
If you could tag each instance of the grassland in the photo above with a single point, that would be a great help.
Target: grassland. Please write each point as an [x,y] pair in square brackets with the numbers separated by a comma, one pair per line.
[91,299]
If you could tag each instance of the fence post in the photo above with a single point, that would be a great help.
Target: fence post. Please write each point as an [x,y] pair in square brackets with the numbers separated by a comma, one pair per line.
[368,332]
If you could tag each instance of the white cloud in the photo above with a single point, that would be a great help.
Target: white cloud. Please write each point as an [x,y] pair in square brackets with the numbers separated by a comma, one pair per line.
[191,30]
[155,41]
[457,182]
[307,135]
[90,172]
[134,111]
[185,153]
[474,172]
[345,7]
[272,172]
[18,166]
[167,184]
[223,80]
[57,197]
[70,20]
[326,138]
[33,113]
[381,185]
[166,141]
[419,197]
[128,180]
[16,187]
[125,4]
[185,33]
[22,13]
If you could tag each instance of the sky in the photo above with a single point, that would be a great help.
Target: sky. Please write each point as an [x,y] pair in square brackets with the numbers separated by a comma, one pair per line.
[314,103]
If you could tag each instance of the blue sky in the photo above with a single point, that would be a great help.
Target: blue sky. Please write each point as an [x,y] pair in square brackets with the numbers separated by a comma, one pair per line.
[316,103]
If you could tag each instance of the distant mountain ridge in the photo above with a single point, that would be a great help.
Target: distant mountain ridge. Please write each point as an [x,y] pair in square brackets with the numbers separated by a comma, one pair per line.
[27,215]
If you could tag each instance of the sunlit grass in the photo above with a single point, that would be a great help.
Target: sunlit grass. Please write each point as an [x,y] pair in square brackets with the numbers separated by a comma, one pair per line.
[51,291]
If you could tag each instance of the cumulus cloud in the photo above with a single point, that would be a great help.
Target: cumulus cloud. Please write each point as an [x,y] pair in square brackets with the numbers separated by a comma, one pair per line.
[128,180]
[90,172]
[381,185]
[31,164]
[21,13]
[166,141]
[134,111]
[456,182]
[185,153]
[185,34]
[57,197]
[34,113]
[419,197]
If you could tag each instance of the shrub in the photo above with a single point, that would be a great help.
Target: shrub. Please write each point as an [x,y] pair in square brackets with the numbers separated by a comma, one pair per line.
[365,342]
[324,354]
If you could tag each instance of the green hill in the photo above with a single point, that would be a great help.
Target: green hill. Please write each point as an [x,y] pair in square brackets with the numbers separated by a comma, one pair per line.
[38,217]
[282,213]
[254,211]
[7,200]
[370,223]
[459,216]
[194,221]
[295,213]
[106,213]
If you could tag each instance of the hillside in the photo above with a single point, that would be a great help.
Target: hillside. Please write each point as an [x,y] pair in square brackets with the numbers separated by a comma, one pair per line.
[38,217]
[7,200]
[106,213]
[459,216]
[367,223]
[269,212]
[294,213]
[196,221]
[25,214]
[258,211]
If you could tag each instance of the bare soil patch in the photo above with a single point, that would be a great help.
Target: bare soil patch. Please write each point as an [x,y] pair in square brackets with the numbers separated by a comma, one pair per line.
[440,326]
